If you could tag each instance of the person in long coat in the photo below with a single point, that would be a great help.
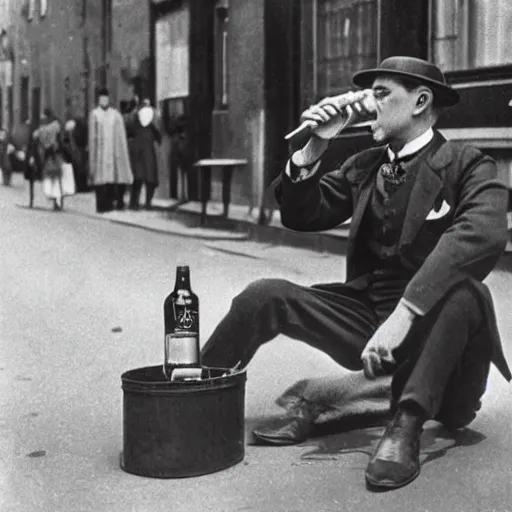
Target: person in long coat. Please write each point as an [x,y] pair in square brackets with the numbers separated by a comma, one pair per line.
[429,223]
[109,163]
[142,128]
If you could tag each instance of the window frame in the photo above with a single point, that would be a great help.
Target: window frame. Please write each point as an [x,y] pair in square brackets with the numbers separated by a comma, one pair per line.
[315,53]
[495,74]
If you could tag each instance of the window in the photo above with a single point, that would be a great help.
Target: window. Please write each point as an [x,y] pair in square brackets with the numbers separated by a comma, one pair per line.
[172,55]
[346,41]
[469,34]
[44,8]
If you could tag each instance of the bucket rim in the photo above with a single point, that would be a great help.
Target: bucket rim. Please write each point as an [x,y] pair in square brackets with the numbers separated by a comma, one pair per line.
[236,375]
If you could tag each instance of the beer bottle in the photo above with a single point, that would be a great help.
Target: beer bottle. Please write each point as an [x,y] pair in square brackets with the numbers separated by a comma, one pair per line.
[181,322]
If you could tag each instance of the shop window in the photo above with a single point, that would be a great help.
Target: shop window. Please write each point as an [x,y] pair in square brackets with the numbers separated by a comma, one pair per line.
[469,34]
[172,54]
[346,41]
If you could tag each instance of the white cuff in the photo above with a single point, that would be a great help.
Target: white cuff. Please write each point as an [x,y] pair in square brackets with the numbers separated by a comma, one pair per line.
[415,309]
[304,172]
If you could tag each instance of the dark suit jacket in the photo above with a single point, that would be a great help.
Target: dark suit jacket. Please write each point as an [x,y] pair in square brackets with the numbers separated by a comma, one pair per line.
[466,243]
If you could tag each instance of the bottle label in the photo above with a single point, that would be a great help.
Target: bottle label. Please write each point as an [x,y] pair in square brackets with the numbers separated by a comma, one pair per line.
[182,348]
[186,318]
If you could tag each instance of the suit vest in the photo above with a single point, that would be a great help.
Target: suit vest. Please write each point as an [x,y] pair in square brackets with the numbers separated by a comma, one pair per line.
[383,219]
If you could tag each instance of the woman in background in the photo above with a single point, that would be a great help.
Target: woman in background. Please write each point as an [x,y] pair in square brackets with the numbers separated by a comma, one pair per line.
[48,141]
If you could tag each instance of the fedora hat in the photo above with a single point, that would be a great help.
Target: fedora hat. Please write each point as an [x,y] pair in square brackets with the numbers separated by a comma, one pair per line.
[413,68]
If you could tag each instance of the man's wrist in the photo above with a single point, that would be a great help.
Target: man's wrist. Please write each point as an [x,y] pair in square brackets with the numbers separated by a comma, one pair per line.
[405,311]
[311,153]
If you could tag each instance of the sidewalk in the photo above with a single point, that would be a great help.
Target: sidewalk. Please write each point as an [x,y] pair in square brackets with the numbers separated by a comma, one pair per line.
[183,219]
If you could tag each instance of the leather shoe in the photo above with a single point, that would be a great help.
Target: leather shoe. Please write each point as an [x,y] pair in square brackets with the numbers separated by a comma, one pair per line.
[396,460]
[288,430]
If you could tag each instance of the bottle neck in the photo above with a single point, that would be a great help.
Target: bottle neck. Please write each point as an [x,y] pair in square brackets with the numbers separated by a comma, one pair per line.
[182,279]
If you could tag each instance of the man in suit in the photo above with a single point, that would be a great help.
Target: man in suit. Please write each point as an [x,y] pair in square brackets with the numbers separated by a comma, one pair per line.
[428,225]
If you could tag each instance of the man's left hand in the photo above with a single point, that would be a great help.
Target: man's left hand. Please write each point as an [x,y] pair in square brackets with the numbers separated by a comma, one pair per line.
[378,352]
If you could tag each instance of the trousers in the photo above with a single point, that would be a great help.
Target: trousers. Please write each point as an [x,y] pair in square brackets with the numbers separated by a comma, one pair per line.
[442,365]
[109,196]
[136,190]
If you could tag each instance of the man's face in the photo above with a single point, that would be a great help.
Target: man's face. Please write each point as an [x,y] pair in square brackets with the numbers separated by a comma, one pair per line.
[395,108]
[104,101]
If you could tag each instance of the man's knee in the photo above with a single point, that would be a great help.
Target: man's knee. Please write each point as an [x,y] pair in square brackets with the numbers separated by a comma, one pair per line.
[463,301]
[264,291]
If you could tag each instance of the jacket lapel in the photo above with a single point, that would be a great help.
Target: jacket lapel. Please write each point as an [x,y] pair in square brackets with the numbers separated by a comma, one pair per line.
[427,185]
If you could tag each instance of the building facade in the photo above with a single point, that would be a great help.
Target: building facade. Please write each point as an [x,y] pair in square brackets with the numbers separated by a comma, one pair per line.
[268,60]
[228,68]
[57,53]
[239,72]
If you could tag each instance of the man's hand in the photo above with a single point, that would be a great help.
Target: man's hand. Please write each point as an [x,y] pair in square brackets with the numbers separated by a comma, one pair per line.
[331,107]
[378,352]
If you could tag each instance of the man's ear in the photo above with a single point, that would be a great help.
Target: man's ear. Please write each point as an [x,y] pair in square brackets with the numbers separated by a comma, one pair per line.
[424,100]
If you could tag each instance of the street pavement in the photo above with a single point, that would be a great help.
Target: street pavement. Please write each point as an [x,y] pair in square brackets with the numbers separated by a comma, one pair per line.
[81,302]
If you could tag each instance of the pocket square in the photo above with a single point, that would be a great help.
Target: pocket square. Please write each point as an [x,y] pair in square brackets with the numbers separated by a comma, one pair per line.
[433,214]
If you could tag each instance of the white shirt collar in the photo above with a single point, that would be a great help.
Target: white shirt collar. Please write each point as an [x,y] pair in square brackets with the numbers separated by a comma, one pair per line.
[413,146]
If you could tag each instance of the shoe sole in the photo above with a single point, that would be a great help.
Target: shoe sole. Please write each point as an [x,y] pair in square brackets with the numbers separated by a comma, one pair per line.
[277,441]
[388,486]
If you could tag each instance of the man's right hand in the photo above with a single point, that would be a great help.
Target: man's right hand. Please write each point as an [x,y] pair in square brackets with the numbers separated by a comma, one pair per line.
[331,107]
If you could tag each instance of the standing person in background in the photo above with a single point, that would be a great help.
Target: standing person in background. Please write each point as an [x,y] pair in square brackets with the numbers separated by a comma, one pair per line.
[74,154]
[33,166]
[48,142]
[5,163]
[142,127]
[181,154]
[109,164]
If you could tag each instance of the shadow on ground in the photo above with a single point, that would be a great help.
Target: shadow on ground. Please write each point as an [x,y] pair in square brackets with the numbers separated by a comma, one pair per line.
[360,435]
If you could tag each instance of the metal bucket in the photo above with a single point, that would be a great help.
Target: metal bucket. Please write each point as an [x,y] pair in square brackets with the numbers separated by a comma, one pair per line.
[184,428]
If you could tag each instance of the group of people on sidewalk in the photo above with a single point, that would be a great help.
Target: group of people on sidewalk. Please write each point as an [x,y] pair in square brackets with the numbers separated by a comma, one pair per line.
[121,154]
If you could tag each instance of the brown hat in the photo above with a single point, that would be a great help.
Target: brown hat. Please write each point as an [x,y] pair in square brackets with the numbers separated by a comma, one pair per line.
[417,69]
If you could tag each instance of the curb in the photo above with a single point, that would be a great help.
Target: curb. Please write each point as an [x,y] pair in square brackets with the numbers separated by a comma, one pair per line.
[273,235]
[142,225]
[242,230]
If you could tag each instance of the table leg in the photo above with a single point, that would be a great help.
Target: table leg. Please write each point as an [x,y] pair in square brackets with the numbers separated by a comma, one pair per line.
[226,188]
[206,180]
